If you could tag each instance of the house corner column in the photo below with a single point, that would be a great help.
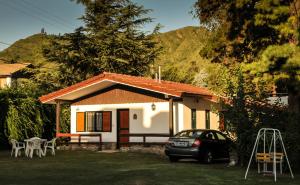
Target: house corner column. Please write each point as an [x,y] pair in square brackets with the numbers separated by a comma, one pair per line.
[58,111]
[171,122]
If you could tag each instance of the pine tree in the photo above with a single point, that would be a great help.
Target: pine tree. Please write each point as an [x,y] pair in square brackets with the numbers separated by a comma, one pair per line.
[111,40]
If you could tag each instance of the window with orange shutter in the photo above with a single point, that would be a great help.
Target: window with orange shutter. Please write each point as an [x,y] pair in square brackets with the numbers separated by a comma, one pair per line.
[106,120]
[97,121]
[80,126]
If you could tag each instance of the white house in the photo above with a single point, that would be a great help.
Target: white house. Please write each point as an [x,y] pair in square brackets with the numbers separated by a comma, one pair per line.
[125,108]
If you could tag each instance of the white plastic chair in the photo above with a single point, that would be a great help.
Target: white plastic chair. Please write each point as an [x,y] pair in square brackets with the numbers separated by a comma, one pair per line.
[35,145]
[16,147]
[50,145]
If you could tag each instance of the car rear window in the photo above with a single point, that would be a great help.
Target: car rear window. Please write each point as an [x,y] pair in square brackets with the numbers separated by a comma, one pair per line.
[182,134]
[196,133]
[190,133]
[220,136]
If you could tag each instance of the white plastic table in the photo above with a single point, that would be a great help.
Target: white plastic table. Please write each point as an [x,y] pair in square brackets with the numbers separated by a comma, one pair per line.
[26,141]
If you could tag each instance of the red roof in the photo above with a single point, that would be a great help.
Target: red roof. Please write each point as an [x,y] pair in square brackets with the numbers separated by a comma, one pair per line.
[165,87]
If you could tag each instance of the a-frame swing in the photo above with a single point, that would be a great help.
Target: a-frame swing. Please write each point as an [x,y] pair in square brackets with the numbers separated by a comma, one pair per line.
[269,155]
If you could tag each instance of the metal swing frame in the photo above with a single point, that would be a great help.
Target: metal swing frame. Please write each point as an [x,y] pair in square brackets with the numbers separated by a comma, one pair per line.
[276,135]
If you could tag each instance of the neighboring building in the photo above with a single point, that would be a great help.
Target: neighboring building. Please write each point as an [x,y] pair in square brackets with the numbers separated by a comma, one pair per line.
[114,105]
[9,73]
[278,100]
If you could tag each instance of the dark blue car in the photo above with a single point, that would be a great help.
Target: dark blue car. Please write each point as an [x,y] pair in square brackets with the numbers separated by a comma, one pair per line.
[203,145]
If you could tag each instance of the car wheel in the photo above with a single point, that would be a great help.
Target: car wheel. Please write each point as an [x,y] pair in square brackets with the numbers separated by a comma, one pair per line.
[208,157]
[173,159]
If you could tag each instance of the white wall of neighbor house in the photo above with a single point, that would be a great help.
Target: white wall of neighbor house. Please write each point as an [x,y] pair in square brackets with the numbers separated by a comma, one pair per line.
[2,82]
[200,105]
[148,120]
[5,82]
[8,81]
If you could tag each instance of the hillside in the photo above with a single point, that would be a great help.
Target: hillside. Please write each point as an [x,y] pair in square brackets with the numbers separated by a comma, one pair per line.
[27,50]
[182,45]
[180,54]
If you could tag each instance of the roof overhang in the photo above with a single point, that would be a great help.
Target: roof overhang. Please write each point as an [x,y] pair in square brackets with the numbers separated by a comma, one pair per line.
[80,92]
[212,98]
[105,80]
[92,88]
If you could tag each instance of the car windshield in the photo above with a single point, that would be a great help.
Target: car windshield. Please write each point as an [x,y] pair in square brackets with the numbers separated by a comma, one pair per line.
[189,133]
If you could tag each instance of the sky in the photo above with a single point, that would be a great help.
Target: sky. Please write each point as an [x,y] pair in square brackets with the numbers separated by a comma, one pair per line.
[22,18]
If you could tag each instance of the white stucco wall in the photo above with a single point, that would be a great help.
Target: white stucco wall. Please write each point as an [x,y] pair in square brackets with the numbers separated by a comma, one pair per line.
[148,121]
[180,118]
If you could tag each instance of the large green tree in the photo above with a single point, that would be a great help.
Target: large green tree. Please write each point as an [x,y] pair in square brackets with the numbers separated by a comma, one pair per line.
[243,28]
[264,34]
[111,40]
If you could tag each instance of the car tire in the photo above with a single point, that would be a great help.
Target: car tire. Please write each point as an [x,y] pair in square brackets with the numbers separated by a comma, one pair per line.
[173,159]
[208,157]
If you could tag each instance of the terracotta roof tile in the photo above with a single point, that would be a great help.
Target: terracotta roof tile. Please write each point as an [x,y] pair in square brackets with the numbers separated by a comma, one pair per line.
[165,87]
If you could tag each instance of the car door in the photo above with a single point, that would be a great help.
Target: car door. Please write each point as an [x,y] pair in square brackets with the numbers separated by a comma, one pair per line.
[211,143]
[223,145]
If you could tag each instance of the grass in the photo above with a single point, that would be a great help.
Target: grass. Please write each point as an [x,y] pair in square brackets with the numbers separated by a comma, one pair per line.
[86,167]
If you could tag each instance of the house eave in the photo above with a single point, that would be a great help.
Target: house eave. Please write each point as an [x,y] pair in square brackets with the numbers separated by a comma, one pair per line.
[209,97]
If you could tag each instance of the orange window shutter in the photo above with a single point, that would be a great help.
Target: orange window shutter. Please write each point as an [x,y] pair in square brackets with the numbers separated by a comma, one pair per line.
[106,121]
[80,121]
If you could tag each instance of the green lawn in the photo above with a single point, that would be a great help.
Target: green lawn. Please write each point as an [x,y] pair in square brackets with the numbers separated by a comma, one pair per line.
[87,167]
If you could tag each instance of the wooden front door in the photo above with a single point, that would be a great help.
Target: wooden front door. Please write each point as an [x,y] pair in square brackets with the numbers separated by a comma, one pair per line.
[123,127]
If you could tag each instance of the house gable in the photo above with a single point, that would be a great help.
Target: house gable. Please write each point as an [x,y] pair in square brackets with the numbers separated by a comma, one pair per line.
[119,94]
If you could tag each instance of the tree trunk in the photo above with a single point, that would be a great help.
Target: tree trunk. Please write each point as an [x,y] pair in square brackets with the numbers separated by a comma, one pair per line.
[294,102]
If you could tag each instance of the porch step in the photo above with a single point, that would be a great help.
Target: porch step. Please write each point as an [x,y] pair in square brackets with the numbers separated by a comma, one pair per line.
[75,140]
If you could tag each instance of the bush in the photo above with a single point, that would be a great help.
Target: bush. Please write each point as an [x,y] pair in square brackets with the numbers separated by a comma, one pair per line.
[23,116]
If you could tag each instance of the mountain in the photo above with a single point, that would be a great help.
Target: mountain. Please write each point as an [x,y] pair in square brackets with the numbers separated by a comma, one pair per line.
[179,57]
